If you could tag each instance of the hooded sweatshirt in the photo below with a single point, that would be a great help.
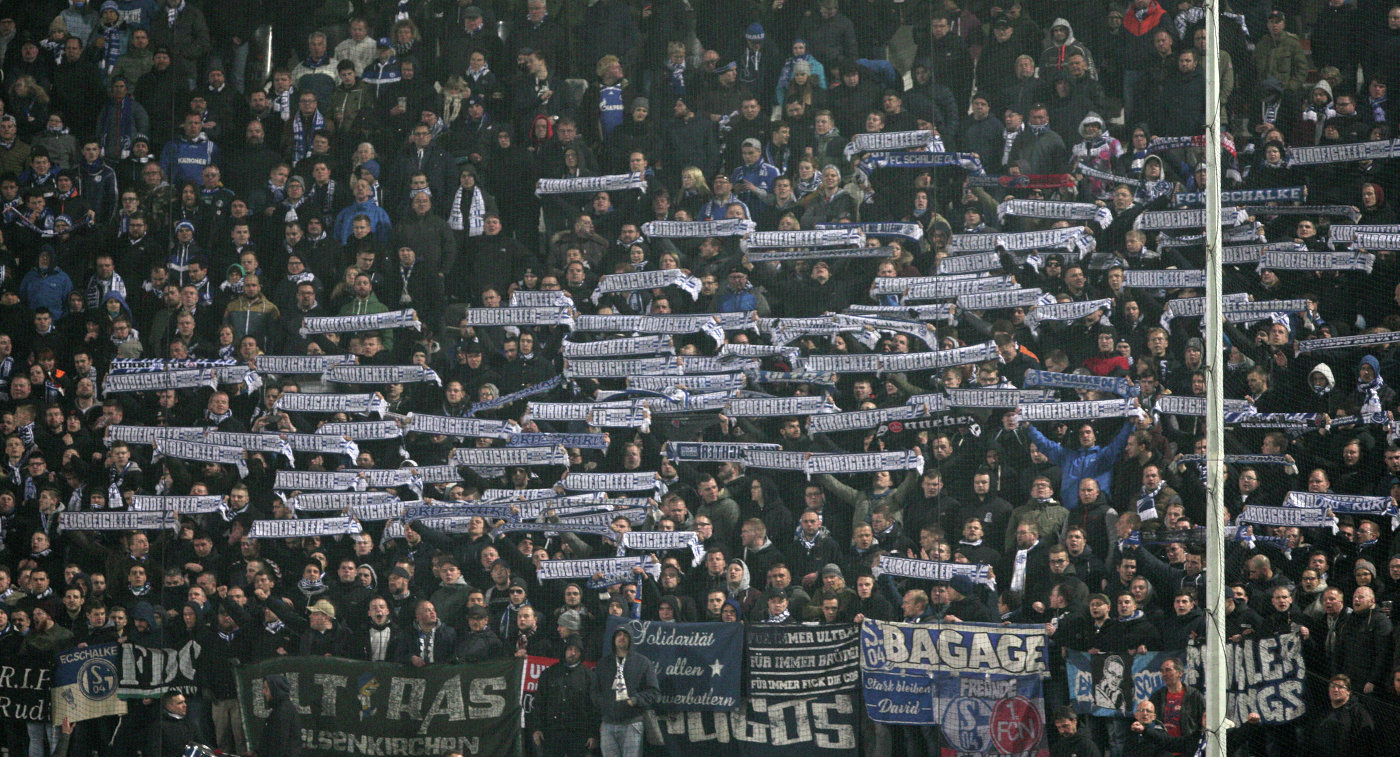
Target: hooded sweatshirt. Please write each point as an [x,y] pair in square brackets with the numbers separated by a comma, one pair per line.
[281,736]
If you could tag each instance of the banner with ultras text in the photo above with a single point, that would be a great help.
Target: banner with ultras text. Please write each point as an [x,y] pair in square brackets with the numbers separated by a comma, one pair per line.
[348,707]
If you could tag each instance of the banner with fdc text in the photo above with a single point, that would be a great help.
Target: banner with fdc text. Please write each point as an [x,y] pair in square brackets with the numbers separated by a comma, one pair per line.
[348,707]
[979,683]
[801,699]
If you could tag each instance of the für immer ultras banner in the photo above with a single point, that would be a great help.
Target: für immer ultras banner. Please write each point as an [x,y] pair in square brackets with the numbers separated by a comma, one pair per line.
[697,664]
[348,707]
[899,661]
[801,703]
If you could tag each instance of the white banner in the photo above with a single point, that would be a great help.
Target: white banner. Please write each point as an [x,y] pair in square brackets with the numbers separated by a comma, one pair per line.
[626,347]
[1064,411]
[144,520]
[771,407]
[590,184]
[184,505]
[447,425]
[301,364]
[521,316]
[303,402]
[150,382]
[321,502]
[301,528]
[622,368]
[382,374]
[339,324]
[497,457]
[641,280]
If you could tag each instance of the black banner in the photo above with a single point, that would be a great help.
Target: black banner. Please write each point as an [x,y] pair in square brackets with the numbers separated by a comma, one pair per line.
[149,672]
[24,690]
[793,661]
[349,707]
[822,726]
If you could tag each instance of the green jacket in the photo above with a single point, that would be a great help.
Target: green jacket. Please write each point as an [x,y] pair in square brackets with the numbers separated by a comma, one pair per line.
[1283,59]
[370,306]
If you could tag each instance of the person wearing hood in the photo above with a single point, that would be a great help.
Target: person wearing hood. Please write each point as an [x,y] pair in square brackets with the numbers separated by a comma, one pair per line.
[1096,149]
[222,644]
[928,95]
[563,708]
[624,685]
[1373,207]
[737,584]
[966,602]
[281,734]
[1317,110]
[1068,107]
[1057,47]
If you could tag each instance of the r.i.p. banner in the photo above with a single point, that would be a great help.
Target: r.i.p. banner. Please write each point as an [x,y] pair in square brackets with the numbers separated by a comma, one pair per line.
[801,699]
[899,662]
[697,664]
[348,707]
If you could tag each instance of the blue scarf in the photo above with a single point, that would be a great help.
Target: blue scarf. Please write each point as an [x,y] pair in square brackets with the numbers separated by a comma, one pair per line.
[676,77]
[301,141]
[113,35]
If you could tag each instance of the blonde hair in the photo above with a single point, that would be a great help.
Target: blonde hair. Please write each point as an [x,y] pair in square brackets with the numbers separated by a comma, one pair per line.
[697,176]
[604,63]
[35,91]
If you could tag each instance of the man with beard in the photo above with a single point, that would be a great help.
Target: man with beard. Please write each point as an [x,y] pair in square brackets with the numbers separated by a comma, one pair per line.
[563,708]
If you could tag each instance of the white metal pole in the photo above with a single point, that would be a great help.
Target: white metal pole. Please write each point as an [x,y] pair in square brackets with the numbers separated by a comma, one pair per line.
[1215,402]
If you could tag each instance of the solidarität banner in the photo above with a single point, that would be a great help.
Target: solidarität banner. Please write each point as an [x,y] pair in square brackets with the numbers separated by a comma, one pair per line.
[900,660]
[348,707]
[801,699]
[697,664]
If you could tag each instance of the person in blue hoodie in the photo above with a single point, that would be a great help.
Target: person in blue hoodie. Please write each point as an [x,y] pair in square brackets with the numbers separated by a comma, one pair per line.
[185,156]
[46,285]
[364,205]
[739,296]
[1088,460]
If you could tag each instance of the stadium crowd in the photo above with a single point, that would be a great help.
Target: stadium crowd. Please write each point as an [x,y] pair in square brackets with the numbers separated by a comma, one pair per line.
[163,201]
